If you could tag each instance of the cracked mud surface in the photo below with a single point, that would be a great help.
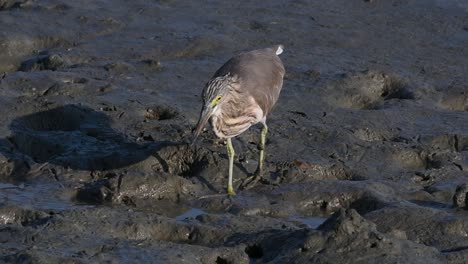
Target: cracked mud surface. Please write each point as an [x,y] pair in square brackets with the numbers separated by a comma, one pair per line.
[367,151]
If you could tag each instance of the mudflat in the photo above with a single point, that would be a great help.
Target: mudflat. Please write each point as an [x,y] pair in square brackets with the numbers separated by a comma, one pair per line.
[367,151]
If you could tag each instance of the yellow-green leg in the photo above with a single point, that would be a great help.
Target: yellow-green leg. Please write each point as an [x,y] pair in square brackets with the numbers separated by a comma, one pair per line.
[230,151]
[252,180]
[261,159]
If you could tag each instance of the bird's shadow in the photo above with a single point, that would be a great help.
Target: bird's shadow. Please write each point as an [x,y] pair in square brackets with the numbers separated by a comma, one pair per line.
[73,136]
[80,138]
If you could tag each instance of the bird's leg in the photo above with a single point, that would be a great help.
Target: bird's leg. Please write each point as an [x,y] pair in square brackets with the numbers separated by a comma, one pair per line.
[230,151]
[252,180]
[261,160]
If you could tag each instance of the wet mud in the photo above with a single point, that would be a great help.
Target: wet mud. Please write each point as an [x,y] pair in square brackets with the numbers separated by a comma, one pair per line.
[366,156]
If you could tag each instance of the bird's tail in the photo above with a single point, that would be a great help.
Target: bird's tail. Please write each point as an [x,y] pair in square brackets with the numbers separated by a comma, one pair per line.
[279,49]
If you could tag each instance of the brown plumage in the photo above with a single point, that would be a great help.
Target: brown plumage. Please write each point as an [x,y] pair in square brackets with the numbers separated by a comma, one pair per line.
[260,75]
[240,94]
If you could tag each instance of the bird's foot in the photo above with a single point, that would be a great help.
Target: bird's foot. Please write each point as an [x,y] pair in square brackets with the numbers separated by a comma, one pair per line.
[251,181]
[230,191]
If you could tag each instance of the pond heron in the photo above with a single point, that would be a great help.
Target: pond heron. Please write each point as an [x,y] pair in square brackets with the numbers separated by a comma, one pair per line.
[240,94]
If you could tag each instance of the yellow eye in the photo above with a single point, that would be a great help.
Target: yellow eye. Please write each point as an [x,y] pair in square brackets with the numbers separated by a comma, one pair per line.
[215,101]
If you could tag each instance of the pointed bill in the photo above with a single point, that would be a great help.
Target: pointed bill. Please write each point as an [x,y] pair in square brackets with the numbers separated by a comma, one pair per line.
[204,116]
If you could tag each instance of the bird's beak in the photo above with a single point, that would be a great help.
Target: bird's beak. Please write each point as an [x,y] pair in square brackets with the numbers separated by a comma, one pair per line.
[204,116]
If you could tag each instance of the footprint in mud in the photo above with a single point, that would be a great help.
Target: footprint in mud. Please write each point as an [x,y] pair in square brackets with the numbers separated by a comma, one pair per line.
[367,90]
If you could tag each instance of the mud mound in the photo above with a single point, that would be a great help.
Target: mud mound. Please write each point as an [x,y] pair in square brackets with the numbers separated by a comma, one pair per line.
[16,47]
[19,216]
[45,62]
[434,224]
[448,142]
[345,230]
[161,113]
[367,90]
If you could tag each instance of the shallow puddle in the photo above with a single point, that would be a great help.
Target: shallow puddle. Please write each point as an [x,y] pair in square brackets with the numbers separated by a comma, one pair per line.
[311,222]
[192,213]
[45,196]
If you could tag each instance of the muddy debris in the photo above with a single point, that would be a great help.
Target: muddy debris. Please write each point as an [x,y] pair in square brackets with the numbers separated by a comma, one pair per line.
[459,198]
[44,62]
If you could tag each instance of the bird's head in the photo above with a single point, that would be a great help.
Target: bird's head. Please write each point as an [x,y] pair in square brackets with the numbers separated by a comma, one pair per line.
[214,95]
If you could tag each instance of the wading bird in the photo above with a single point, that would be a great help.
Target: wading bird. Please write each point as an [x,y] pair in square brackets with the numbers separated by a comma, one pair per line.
[240,94]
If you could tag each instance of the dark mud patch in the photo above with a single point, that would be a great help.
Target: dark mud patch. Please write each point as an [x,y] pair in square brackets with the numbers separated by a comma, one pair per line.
[11,4]
[14,167]
[74,136]
[152,65]
[459,198]
[96,192]
[254,251]
[51,62]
